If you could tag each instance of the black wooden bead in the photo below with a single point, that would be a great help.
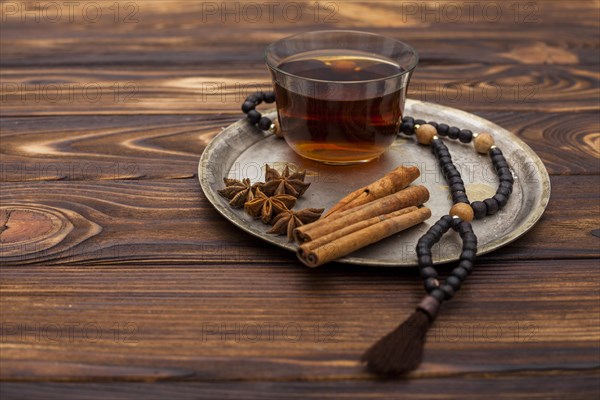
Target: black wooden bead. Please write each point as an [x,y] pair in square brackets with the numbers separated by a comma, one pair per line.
[503,191]
[431,284]
[454,282]
[460,273]
[428,238]
[465,136]
[444,225]
[506,178]
[455,179]
[501,199]
[423,252]
[448,291]
[469,237]
[420,122]
[492,206]
[269,97]
[260,95]
[453,132]
[443,153]
[425,261]
[468,255]
[452,173]
[442,129]
[495,152]
[438,144]
[247,106]
[445,222]
[428,272]
[437,230]
[423,248]
[438,147]
[460,198]
[460,194]
[432,123]
[408,119]
[456,223]
[439,151]
[444,160]
[265,123]
[254,116]
[457,187]
[465,228]
[507,185]
[503,170]
[498,158]
[438,294]
[408,128]
[467,265]
[469,246]
[501,165]
[448,167]
[424,243]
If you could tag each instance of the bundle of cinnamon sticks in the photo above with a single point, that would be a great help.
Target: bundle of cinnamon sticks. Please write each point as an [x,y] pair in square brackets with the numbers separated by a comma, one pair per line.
[365,216]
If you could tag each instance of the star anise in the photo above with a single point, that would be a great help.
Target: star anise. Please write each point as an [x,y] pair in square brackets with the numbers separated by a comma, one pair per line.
[287,221]
[266,207]
[284,183]
[238,192]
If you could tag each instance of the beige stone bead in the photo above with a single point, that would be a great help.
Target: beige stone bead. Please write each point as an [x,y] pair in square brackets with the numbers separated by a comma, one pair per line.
[463,211]
[483,142]
[425,134]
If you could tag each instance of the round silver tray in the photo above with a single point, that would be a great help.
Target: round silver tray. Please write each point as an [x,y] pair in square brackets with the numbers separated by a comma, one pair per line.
[242,150]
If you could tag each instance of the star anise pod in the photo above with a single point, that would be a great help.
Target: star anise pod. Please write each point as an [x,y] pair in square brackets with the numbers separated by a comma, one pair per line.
[266,207]
[287,221]
[238,192]
[284,183]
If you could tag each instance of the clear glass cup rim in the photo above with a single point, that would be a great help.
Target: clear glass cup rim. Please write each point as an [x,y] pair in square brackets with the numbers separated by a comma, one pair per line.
[405,71]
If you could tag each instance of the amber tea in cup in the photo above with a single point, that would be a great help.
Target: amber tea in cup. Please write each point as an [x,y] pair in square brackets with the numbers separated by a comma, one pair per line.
[340,94]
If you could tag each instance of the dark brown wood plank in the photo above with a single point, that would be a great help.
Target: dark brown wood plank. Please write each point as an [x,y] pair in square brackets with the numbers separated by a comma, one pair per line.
[281,322]
[170,221]
[177,31]
[213,90]
[552,385]
[148,147]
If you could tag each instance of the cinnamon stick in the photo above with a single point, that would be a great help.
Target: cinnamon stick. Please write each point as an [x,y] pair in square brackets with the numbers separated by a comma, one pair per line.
[320,241]
[363,237]
[394,181]
[411,196]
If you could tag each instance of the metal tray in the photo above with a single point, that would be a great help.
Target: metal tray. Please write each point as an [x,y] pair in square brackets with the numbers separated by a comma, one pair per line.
[242,150]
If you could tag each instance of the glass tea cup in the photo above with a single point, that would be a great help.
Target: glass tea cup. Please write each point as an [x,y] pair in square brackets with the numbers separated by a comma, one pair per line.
[340,94]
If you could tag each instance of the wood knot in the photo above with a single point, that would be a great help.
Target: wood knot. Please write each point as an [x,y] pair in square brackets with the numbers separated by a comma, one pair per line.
[34,231]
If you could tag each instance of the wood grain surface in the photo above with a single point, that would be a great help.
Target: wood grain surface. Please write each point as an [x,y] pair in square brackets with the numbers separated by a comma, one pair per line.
[119,280]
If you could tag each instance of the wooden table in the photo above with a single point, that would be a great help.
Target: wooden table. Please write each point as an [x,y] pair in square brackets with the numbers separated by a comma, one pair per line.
[119,279]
